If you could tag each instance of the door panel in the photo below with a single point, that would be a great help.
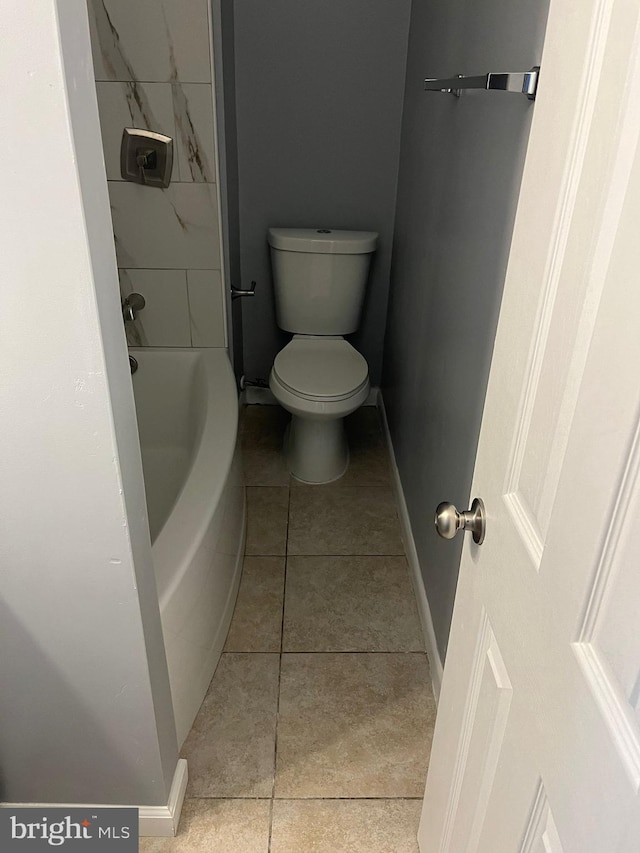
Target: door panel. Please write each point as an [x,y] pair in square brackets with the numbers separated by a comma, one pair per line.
[483,729]
[608,648]
[541,835]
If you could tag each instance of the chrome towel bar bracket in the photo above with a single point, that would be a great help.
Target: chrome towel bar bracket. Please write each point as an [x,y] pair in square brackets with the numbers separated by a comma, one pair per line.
[522,82]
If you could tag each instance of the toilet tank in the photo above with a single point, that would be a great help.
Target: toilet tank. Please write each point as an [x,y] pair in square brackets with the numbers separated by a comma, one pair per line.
[319,278]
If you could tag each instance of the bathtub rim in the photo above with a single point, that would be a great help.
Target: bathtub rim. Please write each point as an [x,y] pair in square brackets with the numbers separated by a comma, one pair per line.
[182,532]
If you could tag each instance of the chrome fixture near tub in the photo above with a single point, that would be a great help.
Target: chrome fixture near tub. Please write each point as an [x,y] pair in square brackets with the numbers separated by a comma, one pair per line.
[133,364]
[131,304]
[236,291]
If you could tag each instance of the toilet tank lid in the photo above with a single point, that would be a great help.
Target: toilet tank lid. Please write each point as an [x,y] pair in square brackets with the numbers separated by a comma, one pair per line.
[323,240]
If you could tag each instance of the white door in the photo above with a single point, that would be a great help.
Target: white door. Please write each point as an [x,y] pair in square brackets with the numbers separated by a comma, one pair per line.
[537,742]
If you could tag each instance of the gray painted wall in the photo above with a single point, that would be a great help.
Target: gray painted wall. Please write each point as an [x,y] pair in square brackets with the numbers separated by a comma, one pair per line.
[460,168]
[319,90]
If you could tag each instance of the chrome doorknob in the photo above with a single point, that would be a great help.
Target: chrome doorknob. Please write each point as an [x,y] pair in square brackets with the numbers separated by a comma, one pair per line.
[449,521]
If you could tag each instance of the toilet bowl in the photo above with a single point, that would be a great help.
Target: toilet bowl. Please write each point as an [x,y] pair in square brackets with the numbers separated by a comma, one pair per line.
[319,278]
[319,380]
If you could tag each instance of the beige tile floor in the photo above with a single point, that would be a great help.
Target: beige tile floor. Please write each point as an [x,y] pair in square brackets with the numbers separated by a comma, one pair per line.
[316,730]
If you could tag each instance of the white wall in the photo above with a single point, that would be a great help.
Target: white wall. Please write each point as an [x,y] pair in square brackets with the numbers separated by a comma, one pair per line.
[85,709]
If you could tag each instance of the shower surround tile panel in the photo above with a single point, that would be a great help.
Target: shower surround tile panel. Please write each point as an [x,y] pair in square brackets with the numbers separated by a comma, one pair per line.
[183,112]
[164,320]
[336,519]
[350,604]
[353,725]
[217,826]
[206,308]
[195,135]
[357,826]
[143,105]
[257,619]
[267,510]
[230,749]
[150,40]
[152,63]
[173,228]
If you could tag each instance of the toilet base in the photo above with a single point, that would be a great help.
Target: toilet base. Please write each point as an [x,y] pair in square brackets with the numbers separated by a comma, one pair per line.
[316,451]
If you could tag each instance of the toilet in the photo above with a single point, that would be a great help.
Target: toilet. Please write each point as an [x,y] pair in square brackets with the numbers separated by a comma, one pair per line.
[319,278]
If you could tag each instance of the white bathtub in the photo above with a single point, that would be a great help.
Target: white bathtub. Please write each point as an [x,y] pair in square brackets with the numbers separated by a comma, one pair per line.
[187,408]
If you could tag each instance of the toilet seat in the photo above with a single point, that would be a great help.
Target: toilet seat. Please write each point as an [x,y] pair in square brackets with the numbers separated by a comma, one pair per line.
[321,369]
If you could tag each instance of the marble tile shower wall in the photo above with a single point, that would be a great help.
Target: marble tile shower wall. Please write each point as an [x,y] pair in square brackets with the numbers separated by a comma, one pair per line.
[153,70]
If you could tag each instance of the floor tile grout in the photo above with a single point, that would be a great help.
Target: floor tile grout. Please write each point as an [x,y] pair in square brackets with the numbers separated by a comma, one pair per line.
[271,802]
[315,554]
[303,799]
[275,743]
[286,555]
[352,652]
[333,652]
[334,486]
[380,488]
[334,555]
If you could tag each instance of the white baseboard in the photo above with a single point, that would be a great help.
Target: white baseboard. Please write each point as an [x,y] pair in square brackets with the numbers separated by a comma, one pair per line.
[414,565]
[372,399]
[163,821]
[160,821]
[254,394]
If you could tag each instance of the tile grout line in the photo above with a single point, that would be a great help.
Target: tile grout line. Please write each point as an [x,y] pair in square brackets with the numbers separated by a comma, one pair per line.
[403,652]
[348,652]
[271,801]
[339,555]
[305,799]
[334,652]
[302,799]
[272,798]
[186,283]
[275,742]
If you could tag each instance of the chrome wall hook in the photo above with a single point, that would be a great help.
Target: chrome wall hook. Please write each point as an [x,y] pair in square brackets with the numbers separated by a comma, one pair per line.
[237,292]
